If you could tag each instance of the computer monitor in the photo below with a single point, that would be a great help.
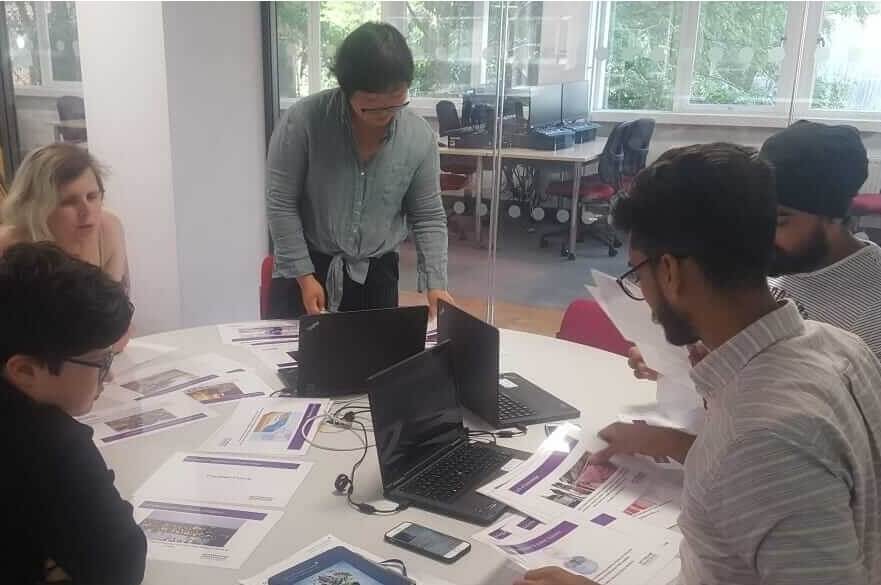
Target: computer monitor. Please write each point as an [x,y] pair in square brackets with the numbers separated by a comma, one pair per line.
[575,101]
[544,105]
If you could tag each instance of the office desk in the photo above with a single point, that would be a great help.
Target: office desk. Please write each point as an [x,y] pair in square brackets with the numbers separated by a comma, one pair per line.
[58,125]
[577,156]
[598,383]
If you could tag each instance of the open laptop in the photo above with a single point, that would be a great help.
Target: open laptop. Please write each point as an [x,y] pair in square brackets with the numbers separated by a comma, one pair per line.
[339,351]
[425,456]
[504,400]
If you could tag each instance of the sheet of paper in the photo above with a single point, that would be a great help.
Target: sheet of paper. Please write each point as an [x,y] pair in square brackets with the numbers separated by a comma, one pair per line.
[165,377]
[232,480]
[276,356]
[228,388]
[324,544]
[269,426]
[259,332]
[607,548]
[132,420]
[557,481]
[138,353]
[201,534]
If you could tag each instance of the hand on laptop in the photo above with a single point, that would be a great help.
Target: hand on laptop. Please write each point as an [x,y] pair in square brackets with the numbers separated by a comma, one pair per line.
[313,294]
[434,295]
[553,576]
[642,439]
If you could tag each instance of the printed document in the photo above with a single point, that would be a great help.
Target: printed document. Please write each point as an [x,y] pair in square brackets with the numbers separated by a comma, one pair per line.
[164,377]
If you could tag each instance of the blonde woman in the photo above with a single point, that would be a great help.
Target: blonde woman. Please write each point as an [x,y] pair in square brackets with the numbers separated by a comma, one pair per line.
[57,195]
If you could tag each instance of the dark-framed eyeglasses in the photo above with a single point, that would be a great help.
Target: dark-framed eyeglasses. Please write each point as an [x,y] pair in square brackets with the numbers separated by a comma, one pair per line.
[386,110]
[102,365]
[629,281]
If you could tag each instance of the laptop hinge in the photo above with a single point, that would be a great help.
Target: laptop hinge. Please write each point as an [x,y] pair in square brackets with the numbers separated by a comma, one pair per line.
[463,440]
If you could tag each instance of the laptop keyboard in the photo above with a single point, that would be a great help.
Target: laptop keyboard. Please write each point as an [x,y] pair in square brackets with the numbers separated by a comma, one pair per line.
[457,472]
[510,409]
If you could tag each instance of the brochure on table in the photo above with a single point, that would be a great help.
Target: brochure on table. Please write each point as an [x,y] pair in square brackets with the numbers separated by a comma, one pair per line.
[608,548]
[558,481]
[324,544]
[260,332]
[216,536]
[138,353]
[228,388]
[133,420]
[225,479]
[165,377]
[269,426]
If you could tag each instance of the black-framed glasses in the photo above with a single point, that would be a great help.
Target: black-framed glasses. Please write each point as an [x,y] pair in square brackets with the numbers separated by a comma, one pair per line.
[629,281]
[386,110]
[103,366]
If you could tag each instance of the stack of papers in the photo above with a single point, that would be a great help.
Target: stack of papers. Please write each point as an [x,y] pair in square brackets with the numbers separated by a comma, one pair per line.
[679,405]
[275,343]
[609,522]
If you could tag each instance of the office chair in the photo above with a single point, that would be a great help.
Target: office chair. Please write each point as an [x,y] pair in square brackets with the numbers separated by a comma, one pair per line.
[623,156]
[448,119]
[265,283]
[71,107]
[586,323]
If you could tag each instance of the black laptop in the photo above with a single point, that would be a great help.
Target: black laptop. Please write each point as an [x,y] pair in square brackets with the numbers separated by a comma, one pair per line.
[425,456]
[502,400]
[339,351]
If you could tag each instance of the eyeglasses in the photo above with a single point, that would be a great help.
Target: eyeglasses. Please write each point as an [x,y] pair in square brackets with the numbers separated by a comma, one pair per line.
[629,281]
[103,366]
[385,110]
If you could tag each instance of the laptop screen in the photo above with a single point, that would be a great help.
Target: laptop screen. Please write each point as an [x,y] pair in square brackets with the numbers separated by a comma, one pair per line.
[415,411]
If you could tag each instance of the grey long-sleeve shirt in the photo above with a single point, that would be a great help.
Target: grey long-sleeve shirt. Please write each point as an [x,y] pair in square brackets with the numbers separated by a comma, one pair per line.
[320,196]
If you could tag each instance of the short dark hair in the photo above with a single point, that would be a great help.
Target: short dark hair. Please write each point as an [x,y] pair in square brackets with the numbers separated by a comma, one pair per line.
[373,58]
[711,202]
[54,306]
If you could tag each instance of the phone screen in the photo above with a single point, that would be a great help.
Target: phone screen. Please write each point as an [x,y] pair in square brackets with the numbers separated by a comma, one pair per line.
[431,541]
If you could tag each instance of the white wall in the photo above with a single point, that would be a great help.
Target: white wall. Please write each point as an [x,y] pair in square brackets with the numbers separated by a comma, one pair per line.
[174,100]
[122,51]
[215,100]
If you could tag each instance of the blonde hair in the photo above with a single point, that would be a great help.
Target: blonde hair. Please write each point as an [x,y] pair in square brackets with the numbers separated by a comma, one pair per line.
[35,190]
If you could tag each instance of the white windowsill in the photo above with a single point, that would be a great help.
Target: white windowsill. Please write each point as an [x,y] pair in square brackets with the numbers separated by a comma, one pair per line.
[46,91]
[737,120]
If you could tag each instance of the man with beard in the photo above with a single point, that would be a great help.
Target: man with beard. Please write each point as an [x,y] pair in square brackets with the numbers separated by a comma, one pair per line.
[783,484]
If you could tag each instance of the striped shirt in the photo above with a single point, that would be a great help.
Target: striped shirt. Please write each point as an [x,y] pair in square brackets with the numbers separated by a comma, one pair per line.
[846,294]
[783,485]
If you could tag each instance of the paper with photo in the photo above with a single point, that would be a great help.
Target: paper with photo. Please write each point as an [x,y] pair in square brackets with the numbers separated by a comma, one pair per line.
[165,377]
[223,479]
[557,481]
[269,426]
[132,420]
[260,332]
[325,544]
[138,353]
[228,388]
[201,534]
[608,548]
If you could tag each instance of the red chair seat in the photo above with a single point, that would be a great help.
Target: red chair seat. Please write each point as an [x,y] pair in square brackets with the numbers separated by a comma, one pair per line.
[590,188]
[451,182]
[586,323]
[866,204]
[265,282]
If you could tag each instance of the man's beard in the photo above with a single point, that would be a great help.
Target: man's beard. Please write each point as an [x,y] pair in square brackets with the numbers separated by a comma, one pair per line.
[677,329]
[807,259]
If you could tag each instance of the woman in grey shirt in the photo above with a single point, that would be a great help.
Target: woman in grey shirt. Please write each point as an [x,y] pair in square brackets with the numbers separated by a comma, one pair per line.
[349,172]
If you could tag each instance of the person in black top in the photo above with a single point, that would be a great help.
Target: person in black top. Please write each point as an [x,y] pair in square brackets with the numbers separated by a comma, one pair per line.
[63,518]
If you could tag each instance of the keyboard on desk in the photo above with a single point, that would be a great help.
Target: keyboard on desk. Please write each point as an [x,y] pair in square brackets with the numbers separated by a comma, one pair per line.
[511,409]
[456,473]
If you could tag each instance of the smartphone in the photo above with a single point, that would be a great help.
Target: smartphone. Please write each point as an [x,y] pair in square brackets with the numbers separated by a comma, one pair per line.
[431,543]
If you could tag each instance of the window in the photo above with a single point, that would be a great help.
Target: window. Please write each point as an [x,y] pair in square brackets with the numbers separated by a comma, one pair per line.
[643,51]
[847,59]
[338,19]
[524,42]
[441,36]
[740,51]
[43,45]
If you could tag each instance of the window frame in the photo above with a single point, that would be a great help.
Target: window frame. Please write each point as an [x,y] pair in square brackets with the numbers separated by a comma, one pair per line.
[52,87]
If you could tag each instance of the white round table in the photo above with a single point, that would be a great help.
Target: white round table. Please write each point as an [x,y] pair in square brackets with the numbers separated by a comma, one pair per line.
[596,382]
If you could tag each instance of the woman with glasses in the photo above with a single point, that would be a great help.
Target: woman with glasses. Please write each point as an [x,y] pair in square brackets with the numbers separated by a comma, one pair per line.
[350,171]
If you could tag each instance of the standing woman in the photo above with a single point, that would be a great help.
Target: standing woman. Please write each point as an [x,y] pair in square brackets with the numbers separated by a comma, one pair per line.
[350,170]
[57,195]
